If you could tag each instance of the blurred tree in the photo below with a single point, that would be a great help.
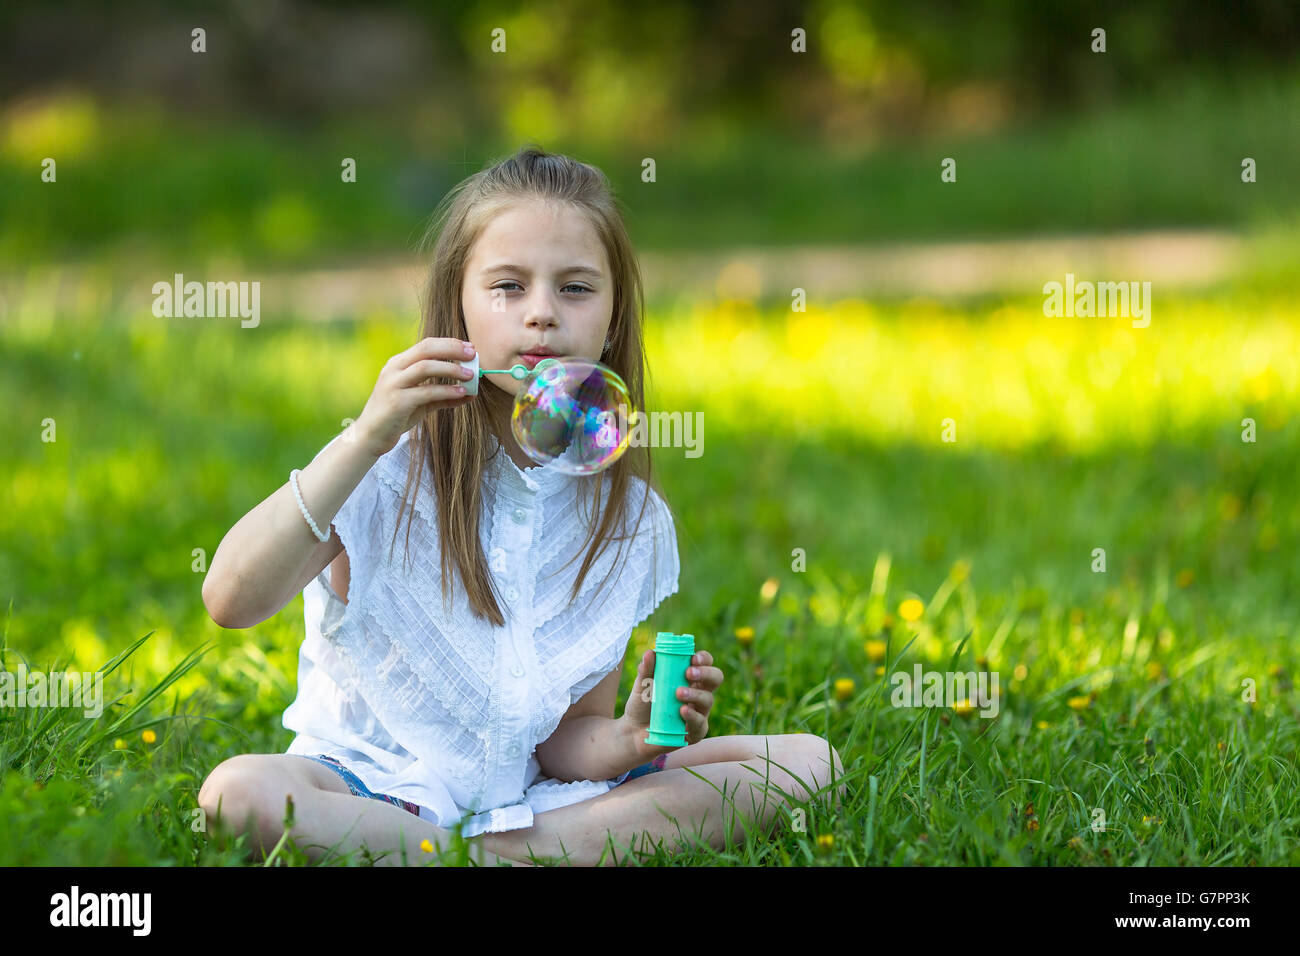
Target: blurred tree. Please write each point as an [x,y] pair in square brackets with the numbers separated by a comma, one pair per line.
[615,72]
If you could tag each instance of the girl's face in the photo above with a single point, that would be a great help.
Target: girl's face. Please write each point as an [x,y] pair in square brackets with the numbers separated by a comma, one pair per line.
[537,278]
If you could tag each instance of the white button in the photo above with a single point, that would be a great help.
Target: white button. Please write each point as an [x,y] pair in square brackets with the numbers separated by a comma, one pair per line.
[520,516]
[517,671]
[512,595]
[513,750]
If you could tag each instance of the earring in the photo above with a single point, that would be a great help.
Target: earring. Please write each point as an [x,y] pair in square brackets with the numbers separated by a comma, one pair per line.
[608,344]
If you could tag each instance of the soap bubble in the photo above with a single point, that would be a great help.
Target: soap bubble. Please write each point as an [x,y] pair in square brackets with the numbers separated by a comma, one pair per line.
[567,413]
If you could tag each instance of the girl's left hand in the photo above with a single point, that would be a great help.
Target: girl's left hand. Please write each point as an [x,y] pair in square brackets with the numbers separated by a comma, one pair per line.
[696,701]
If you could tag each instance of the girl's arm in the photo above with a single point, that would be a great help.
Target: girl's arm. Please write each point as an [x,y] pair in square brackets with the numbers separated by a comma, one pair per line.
[270,554]
[589,744]
[590,747]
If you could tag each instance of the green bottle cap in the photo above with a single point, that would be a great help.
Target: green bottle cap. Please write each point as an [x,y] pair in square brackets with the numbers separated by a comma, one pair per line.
[668,643]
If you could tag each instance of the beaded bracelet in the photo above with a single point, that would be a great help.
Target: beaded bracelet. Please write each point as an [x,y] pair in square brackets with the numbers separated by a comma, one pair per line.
[293,483]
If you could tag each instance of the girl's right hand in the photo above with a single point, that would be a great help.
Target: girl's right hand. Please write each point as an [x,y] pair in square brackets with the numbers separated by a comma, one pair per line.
[403,395]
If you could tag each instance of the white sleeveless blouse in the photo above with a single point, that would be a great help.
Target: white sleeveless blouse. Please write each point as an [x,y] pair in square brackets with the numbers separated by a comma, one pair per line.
[428,703]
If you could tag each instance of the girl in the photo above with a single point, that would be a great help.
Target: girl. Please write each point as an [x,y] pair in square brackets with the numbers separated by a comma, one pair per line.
[473,683]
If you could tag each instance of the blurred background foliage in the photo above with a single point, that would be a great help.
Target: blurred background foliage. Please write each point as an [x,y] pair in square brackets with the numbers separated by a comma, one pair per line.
[236,152]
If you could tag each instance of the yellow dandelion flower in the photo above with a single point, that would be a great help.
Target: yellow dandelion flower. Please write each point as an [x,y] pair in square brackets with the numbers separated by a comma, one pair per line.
[426,846]
[1076,843]
[149,736]
[1079,703]
[963,708]
[825,841]
[1151,821]
[1154,670]
[119,744]
[1222,747]
[1032,825]
[745,635]
[875,650]
[880,671]
[911,610]
[767,593]
[1021,672]
[844,688]
[1042,725]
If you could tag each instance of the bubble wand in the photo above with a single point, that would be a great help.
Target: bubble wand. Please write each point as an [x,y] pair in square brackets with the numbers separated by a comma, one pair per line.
[517,372]
[566,414]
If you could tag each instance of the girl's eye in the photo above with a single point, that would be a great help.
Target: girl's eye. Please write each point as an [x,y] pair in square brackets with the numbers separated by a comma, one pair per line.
[571,285]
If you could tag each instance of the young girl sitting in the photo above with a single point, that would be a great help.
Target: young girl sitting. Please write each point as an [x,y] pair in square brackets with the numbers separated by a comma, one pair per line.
[472,683]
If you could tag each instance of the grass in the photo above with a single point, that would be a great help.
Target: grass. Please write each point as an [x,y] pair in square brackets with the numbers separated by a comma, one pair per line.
[1122,691]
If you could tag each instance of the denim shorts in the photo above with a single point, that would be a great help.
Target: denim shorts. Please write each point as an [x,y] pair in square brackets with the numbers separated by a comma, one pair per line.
[654,766]
[359,789]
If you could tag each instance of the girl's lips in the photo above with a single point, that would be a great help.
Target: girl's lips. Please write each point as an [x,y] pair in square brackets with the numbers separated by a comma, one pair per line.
[530,361]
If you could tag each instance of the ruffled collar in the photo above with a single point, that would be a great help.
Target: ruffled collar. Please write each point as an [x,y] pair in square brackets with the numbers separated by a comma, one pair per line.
[523,484]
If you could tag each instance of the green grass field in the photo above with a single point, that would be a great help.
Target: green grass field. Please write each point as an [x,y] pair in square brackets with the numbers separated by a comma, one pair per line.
[1122,691]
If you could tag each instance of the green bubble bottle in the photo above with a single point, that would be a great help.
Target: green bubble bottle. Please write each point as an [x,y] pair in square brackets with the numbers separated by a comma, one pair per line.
[673,653]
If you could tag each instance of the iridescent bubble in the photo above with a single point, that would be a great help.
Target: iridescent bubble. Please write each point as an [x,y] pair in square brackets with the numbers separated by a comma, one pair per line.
[567,413]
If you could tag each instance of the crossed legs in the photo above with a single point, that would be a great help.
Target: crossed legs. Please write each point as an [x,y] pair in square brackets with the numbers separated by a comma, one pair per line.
[713,793]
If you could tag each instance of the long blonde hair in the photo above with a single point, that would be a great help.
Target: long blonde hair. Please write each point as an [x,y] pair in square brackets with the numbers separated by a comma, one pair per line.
[461,435]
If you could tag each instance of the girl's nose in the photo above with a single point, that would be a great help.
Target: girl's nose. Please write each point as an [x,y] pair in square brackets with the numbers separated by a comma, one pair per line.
[541,311]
